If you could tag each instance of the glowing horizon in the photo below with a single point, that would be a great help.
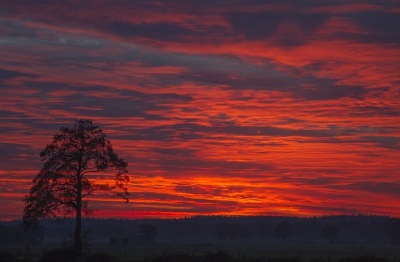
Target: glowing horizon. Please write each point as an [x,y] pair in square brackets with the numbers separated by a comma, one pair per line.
[222,107]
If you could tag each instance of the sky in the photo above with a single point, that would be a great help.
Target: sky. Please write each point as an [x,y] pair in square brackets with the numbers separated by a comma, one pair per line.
[219,107]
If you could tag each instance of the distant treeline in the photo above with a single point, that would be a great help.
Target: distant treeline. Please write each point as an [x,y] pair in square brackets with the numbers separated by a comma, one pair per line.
[340,228]
[13,233]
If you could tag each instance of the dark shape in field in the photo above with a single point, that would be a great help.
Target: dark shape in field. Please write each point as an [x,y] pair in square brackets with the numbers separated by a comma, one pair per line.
[283,230]
[63,183]
[330,232]
[149,232]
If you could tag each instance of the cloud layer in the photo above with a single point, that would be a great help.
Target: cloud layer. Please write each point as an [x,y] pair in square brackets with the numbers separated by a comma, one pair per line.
[263,107]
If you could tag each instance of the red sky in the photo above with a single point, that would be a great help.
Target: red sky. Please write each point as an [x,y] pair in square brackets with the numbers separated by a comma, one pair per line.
[219,107]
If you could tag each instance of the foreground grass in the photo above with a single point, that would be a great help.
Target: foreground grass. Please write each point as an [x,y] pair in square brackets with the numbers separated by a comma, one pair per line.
[233,251]
[68,255]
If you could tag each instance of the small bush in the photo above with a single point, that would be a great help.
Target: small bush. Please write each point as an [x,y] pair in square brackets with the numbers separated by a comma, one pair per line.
[61,255]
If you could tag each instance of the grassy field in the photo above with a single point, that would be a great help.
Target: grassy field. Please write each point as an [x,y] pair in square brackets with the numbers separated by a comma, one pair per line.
[243,250]
[307,251]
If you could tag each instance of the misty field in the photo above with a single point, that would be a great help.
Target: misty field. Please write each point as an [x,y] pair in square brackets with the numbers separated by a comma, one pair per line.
[306,251]
[239,251]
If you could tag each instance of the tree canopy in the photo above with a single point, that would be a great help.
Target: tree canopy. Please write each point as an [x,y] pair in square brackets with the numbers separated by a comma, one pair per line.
[64,183]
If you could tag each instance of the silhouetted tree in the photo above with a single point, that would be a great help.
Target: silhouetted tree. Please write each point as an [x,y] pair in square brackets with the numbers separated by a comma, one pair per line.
[330,232]
[392,230]
[283,230]
[149,232]
[65,181]
[227,231]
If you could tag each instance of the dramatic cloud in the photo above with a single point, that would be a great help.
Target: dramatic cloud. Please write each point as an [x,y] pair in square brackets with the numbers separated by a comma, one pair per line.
[220,107]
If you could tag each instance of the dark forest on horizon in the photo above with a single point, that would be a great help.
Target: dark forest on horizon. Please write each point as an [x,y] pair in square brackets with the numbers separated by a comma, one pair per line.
[207,229]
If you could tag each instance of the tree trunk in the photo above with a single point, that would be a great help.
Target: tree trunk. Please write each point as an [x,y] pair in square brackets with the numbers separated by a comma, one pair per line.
[78,221]
[78,230]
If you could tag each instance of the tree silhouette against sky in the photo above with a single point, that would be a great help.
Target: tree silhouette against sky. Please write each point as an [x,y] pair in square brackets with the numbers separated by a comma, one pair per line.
[64,182]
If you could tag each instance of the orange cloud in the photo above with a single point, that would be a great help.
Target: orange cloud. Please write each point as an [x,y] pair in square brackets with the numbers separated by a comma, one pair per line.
[297,115]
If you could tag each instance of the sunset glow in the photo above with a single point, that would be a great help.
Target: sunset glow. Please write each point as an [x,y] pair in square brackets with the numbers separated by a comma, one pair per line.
[219,107]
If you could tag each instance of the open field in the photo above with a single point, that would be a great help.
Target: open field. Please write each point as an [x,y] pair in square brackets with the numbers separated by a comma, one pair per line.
[307,251]
[243,250]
